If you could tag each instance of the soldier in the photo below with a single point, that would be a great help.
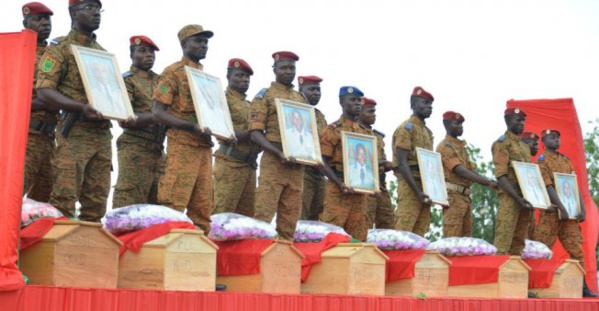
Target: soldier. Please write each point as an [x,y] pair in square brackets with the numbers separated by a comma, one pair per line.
[281,181]
[187,181]
[532,140]
[314,181]
[40,141]
[81,165]
[551,224]
[459,175]
[235,166]
[140,147]
[513,215]
[343,207]
[380,208]
[413,205]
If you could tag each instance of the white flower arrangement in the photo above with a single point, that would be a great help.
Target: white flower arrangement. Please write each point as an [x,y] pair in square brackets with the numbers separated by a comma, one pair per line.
[315,231]
[231,226]
[463,246]
[140,216]
[389,239]
[536,250]
[32,210]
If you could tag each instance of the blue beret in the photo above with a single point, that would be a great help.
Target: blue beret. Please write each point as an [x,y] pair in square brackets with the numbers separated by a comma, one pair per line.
[350,90]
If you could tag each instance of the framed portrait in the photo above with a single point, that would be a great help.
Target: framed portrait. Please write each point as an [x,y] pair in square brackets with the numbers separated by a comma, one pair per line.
[299,135]
[566,186]
[210,103]
[360,162]
[103,83]
[432,176]
[532,184]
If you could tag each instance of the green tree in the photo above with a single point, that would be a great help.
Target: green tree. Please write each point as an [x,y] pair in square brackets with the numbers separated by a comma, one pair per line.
[591,150]
[484,199]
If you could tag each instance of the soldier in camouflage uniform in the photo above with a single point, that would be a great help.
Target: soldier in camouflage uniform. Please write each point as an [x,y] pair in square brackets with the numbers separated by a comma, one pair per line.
[413,212]
[140,147]
[235,165]
[553,225]
[343,207]
[40,141]
[314,181]
[380,208]
[513,215]
[532,140]
[187,181]
[459,175]
[81,165]
[281,180]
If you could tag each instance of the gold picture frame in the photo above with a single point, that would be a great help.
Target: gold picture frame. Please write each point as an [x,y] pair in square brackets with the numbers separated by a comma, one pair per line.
[531,184]
[299,134]
[566,186]
[432,176]
[210,103]
[360,162]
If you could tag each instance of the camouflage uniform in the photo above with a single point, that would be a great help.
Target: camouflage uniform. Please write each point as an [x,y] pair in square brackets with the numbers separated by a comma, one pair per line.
[280,186]
[314,181]
[348,211]
[550,227]
[235,167]
[457,219]
[81,164]
[411,215]
[380,209]
[511,221]
[40,146]
[140,151]
[187,181]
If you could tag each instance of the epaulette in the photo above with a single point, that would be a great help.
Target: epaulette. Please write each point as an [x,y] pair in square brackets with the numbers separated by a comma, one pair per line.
[541,157]
[447,143]
[501,138]
[379,132]
[55,41]
[335,124]
[127,74]
[261,94]
[409,126]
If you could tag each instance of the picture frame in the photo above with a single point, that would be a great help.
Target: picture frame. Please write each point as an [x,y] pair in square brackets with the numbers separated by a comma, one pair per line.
[432,176]
[360,162]
[532,184]
[104,85]
[299,134]
[566,186]
[210,103]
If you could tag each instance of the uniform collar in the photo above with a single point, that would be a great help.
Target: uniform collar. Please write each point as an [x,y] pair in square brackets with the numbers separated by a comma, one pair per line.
[455,140]
[416,120]
[512,136]
[348,122]
[234,93]
[282,87]
[552,154]
[82,38]
[140,73]
[188,62]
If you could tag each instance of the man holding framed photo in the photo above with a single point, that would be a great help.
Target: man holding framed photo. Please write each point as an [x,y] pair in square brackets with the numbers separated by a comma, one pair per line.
[551,224]
[81,165]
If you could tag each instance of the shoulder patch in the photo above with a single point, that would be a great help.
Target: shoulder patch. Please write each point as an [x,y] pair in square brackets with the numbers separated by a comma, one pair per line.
[379,132]
[541,157]
[335,124]
[56,41]
[48,64]
[127,74]
[164,88]
[447,143]
[409,126]
[261,94]
[501,138]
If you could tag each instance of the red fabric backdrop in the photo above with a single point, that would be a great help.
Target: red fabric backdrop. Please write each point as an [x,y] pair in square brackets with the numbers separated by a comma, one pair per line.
[560,114]
[17,54]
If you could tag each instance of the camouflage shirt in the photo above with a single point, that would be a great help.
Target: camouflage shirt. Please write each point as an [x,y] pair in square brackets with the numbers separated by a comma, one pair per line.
[140,87]
[239,108]
[410,134]
[321,122]
[453,153]
[550,162]
[50,117]
[506,149]
[330,141]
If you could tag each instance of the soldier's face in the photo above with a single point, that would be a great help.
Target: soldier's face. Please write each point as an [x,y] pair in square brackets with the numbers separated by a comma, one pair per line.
[455,127]
[239,80]
[351,104]
[285,72]
[533,145]
[143,57]
[422,107]
[552,141]
[196,47]
[87,16]
[368,115]
[312,92]
[42,24]
[515,123]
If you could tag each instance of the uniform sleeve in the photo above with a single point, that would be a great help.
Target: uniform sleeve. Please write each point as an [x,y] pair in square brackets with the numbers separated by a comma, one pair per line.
[258,113]
[321,123]
[501,159]
[403,139]
[449,157]
[546,172]
[381,146]
[130,89]
[50,68]
[166,88]
[328,140]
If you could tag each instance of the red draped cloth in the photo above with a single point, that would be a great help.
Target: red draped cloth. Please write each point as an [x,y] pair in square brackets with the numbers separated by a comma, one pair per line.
[470,270]
[542,270]
[560,114]
[35,231]
[136,239]
[313,251]
[401,263]
[17,54]
[240,257]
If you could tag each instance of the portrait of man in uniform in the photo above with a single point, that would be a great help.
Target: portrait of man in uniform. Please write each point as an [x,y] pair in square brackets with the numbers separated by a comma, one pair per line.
[433,178]
[567,192]
[531,184]
[360,161]
[298,131]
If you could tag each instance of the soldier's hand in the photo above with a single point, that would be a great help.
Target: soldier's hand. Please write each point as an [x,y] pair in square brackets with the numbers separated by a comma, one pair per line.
[377,194]
[232,141]
[92,114]
[524,204]
[424,199]
[207,131]
[345,189]
[493,185]
[37,105]
[552,208]
[388,166]
[563,214]
[130,122]
[582,216]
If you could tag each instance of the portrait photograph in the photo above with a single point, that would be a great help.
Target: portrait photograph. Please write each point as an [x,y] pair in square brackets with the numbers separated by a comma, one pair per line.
[210,103]
[432,176]
[299,135]
[532,184]
[103,83]
[566,186]
[360,162]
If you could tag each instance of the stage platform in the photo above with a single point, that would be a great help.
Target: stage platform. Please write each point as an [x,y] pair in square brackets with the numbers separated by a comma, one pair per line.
[45,298]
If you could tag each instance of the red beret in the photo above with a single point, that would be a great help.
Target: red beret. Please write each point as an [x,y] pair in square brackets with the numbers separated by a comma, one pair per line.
[368,101]
[303,80]
[238,63]
[511,111]
[550,132]
[285,55]
[75,2]
[420,92]
[143,40]
[529,135]
[35,8]
[452,115]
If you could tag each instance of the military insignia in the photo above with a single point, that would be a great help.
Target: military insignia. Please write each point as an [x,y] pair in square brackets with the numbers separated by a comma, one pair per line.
[541,157]
[501,138]
[548,132]
[335,124]
[137,41]
[127,74]
[457,116]
[26,11]
[419,92]
[447,143]
[253,116]
[277,57]
[236,64]
[301,80]
[409,126]
[350,90]
[517,110]
[532,135]
[48,64]
[261,94]
[164,88]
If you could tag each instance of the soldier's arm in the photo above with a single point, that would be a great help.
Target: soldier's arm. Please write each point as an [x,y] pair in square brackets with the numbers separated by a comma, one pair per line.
[242,135]
[501,160]
[162,116]
[259,138]
[506,186]
[461,171]
[406,173]
[140,120]
[328,172]
[583,213]
[554,198]
[56,99]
